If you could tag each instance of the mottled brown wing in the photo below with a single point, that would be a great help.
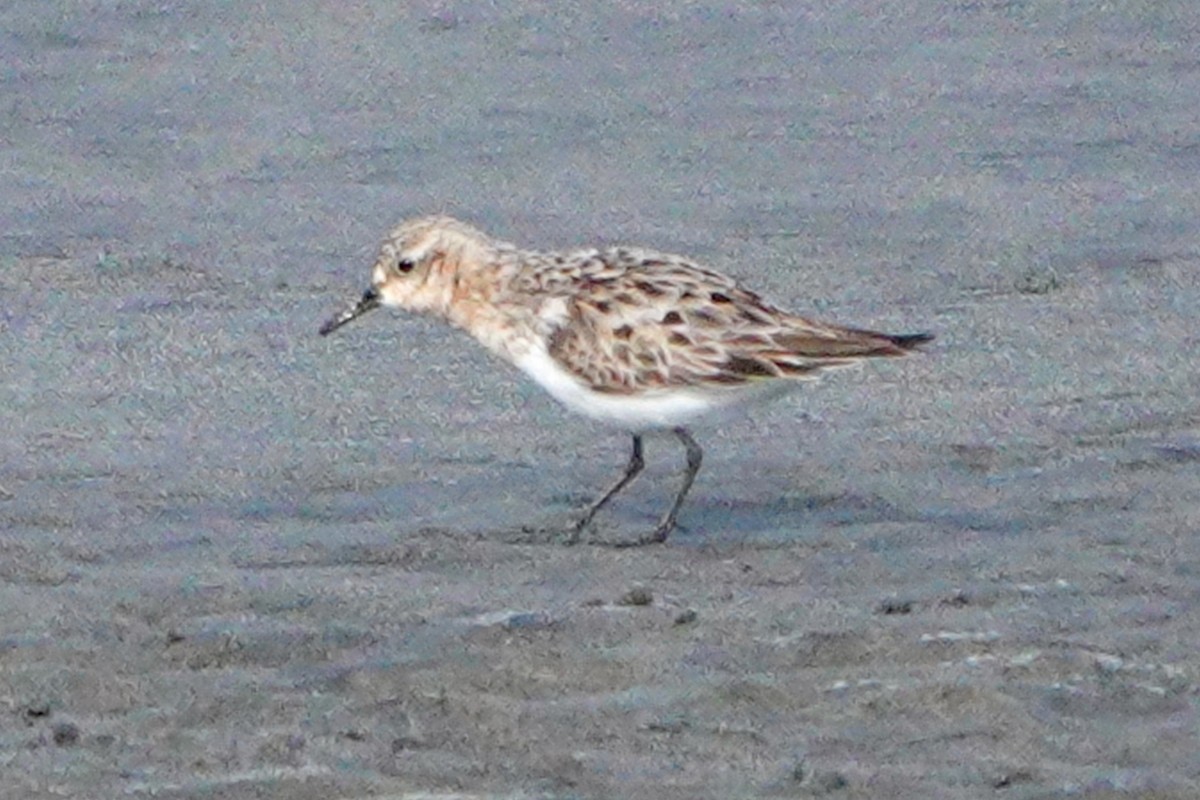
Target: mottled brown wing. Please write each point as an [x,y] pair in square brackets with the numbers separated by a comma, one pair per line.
[641,321]
[800,347]
[616,346]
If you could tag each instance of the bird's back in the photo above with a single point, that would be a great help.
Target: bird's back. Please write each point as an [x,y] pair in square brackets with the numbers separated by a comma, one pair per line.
[641,321]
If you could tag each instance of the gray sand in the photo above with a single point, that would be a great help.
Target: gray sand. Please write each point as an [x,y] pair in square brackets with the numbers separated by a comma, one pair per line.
[239,560]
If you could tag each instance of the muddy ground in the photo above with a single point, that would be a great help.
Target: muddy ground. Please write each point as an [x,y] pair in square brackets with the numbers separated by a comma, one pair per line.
[239,560]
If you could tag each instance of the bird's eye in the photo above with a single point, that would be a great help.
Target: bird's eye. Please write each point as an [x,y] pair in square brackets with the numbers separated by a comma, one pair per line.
[405,265]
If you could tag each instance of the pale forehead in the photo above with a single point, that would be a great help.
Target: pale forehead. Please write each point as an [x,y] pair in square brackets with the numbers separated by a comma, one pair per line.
[407,236]
[416,236]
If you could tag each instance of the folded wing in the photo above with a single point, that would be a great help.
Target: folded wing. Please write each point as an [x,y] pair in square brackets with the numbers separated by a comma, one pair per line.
[662,323]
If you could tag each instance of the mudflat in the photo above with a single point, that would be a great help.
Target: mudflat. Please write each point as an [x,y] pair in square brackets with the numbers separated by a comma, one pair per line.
[241,560]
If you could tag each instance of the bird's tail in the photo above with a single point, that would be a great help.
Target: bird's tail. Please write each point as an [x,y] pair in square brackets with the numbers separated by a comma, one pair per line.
[910,341]
[804,353]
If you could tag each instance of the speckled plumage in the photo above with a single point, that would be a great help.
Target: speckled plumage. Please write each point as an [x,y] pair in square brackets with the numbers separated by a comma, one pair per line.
[632,337]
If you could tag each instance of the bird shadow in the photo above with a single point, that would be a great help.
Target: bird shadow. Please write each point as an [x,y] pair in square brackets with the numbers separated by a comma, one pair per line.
[781,520]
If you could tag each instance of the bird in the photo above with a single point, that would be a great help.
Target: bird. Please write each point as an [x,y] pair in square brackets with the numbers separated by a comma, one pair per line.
[637,339]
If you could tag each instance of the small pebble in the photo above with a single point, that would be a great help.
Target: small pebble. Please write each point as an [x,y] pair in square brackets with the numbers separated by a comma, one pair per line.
[637,596]
[826,781]
[894,605]
[959,599]
[37,711]
[688,615]
[66,734]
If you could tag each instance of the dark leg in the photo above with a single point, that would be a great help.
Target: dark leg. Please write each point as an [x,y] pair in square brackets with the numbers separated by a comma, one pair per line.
[694,457]
[632,469]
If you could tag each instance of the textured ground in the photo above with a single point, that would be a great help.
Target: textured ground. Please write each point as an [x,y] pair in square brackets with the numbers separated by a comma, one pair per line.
[239,560]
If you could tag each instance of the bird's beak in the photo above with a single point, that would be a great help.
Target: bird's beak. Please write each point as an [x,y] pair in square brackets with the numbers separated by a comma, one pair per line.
[368,301]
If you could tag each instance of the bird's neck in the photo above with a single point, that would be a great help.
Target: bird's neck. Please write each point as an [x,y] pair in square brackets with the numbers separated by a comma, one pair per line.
[490,301]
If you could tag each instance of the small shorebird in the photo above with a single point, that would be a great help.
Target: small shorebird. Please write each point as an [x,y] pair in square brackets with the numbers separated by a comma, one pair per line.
[634,338]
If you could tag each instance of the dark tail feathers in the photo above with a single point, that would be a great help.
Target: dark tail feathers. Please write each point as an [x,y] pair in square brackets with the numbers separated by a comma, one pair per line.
[911,341]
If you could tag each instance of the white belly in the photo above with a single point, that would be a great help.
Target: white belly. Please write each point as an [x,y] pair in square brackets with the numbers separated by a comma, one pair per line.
[660,409]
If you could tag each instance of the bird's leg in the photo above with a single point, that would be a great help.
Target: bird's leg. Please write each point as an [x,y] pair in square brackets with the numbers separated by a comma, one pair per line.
[694,458]
[635,465]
